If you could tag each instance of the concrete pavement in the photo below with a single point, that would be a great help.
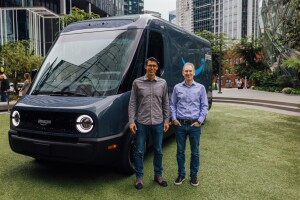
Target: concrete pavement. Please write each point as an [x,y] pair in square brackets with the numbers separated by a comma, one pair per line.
[270,101]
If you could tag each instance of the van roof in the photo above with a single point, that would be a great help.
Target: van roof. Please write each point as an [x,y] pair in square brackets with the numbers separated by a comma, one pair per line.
[120,22]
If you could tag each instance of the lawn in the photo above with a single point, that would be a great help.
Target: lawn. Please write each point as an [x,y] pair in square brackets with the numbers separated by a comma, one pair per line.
[245,154]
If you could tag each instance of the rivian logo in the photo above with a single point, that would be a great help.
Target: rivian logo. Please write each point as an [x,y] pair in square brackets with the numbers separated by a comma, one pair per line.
[44,122]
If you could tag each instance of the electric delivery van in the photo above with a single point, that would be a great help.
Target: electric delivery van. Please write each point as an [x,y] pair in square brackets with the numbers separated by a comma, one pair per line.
[77,107]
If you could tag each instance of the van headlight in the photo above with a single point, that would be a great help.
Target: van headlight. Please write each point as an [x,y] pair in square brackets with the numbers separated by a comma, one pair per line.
[15,118]
[84,124]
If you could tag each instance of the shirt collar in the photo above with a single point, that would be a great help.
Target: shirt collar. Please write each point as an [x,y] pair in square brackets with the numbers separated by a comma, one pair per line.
[146,78]
[193,83]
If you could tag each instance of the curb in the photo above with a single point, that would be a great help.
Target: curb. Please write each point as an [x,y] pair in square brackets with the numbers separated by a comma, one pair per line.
[292,107]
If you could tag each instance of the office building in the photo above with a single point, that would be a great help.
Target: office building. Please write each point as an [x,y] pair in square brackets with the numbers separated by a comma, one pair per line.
[236,18]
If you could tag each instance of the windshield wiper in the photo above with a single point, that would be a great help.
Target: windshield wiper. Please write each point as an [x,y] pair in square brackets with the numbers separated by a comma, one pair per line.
[67,94]
[60,93]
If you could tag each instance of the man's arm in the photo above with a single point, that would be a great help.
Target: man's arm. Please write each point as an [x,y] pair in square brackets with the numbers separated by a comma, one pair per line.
[203,105]
[166,107]
[132,103]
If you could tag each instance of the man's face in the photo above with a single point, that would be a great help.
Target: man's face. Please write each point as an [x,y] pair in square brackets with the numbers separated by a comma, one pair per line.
[188,73]
[151,68]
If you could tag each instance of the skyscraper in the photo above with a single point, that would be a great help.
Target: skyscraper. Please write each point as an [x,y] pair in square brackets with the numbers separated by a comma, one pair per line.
[133,7]
[236,18]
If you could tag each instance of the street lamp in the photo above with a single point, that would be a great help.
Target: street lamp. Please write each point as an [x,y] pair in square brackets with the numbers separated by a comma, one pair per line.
[220,66]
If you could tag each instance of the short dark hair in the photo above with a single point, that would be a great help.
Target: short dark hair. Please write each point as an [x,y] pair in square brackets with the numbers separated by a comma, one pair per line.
[151,59]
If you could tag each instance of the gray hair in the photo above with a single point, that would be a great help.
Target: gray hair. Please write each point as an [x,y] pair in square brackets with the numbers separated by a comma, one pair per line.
[188,64]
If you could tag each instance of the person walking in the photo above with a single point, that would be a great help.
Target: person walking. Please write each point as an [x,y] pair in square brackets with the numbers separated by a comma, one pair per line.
[189,107]
[149,111]
[26,84]
[4,85]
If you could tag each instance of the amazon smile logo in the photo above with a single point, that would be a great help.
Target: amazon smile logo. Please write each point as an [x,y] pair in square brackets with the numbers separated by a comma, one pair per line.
[199,69]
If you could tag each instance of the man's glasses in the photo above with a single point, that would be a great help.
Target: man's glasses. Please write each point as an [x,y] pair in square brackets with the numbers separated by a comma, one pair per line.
[151,66]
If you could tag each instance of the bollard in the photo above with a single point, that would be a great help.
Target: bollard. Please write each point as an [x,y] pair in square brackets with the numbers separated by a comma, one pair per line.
[7,94]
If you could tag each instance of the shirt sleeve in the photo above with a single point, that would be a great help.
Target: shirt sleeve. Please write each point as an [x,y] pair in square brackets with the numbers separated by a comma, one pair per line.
[173,104]
[132,103]
[166,104]
[203,105]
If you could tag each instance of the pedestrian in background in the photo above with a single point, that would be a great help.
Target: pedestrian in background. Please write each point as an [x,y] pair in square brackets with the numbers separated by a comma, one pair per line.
[149,111]
[4,85]
[26,84]
[189,107]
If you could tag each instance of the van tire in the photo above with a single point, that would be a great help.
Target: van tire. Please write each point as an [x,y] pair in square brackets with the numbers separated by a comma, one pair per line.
[127,157]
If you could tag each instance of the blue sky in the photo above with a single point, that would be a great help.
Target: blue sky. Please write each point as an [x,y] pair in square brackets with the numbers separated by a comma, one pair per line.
[162,6]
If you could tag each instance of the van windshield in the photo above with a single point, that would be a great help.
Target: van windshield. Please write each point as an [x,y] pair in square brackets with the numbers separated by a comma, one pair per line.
[86,64]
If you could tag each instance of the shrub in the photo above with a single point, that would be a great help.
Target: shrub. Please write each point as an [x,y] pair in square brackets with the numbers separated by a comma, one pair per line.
[295,91]
[287,90]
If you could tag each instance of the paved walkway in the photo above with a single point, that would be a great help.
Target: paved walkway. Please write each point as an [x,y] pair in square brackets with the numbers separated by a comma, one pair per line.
[260,100]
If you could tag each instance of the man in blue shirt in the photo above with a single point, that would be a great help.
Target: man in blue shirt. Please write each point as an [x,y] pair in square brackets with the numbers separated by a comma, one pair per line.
[189,107]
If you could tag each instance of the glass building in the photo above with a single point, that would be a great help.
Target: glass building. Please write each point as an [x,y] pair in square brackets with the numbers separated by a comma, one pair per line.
[133,7]
[236,18]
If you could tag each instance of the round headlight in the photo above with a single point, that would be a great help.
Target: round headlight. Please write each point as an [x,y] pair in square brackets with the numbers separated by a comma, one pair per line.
[15,118]
[84,123]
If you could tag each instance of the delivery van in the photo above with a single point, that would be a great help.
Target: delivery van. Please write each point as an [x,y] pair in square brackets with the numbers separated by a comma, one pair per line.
[76,109]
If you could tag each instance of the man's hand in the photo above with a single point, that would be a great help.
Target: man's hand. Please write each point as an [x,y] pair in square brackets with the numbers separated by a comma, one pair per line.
[197,124]
[176,122]
[133,128]
[166,127]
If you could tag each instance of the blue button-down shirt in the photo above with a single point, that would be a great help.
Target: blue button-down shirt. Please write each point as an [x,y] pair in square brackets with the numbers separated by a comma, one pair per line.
[189,102]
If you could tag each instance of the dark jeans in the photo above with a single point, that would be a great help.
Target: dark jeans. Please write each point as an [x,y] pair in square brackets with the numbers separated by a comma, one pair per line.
[141,137]
[3,97]
[181,133]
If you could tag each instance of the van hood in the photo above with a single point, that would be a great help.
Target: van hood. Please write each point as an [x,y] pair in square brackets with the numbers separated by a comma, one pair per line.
[63,102]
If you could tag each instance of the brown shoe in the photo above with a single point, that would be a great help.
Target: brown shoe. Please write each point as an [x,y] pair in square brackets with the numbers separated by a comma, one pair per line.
[139,183]
[161,181]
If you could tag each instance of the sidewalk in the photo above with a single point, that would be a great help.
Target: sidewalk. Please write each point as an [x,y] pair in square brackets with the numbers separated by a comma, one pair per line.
[4,106]
[271,101]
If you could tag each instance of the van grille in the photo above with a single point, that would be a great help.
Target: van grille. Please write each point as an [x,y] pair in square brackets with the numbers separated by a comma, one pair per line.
[59,122]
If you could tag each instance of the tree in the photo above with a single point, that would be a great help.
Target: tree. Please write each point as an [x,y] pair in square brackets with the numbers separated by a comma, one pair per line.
[17,58]
[215,40]
[251,53]
[76,15]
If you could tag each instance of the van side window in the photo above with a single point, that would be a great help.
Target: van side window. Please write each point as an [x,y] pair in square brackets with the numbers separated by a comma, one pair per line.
[136,67]
[156,49]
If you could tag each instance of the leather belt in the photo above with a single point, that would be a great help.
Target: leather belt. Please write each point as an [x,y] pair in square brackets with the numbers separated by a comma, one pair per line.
[187,121]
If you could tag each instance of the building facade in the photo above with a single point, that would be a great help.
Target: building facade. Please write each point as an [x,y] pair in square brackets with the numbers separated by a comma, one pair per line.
[133,7]
[236,18]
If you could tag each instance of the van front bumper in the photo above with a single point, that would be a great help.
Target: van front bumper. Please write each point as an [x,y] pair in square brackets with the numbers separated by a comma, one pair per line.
[83,150]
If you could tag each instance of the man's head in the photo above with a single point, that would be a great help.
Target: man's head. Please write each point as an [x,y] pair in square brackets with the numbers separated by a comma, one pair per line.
[188,72]
[151,66]
[1,70]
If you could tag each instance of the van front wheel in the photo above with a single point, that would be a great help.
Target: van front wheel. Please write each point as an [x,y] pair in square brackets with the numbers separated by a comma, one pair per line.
[127,165]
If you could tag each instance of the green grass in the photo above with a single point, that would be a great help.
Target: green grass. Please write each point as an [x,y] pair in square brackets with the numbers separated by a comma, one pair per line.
[245,154]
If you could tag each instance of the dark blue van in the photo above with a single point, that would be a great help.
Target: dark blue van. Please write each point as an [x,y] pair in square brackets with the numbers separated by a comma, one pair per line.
[77,107]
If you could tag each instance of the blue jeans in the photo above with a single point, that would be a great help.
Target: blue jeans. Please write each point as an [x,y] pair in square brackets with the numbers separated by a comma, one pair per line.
[181,133]
[141,137]
[3,97]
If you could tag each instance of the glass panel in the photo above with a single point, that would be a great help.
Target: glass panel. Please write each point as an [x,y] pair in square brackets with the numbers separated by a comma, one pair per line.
[87,64]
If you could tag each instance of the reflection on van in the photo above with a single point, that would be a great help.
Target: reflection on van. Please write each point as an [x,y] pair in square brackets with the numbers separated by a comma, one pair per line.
[77,107]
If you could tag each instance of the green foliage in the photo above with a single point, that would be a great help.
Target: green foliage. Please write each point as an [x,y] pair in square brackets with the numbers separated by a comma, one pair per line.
[250,51]
[295,91]
[291,26]
[18,58]
[293,62]
[287,90]
[76,15]
[215,40]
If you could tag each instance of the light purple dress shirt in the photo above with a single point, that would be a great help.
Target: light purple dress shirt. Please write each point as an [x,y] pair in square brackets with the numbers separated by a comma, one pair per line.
[189,102]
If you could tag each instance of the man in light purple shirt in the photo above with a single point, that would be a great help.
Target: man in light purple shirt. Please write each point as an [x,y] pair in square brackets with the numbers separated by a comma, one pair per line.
[189,107]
